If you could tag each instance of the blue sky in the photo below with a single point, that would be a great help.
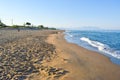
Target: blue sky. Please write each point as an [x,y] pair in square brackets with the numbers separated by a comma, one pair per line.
[62,13]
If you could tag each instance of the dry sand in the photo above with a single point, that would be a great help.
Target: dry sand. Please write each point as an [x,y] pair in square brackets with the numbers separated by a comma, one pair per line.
[23,54]
[32,55]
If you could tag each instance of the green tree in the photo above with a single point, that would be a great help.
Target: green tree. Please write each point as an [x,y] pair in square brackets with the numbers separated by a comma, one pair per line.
[2,24]
[40,26]
[15,26]
[28,23]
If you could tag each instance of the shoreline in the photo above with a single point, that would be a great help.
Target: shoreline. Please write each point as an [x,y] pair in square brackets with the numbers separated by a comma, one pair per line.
[46,55]
[95,44]
[96,51]
[82,63]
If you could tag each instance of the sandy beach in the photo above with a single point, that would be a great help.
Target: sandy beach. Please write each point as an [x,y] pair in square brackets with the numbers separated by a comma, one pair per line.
[81,63]
[45,55]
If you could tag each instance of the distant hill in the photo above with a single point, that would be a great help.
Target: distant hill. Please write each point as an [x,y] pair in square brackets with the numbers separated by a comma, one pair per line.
[82,28]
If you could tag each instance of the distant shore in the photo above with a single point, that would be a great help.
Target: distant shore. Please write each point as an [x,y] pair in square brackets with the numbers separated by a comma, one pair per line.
[45,55]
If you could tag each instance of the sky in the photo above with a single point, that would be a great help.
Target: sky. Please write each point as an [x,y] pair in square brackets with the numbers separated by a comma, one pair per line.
[72,14]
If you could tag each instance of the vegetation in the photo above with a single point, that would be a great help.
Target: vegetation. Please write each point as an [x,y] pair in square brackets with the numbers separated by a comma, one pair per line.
[26,25]
[40,26]
[14,26]
[52,28]
[2,25]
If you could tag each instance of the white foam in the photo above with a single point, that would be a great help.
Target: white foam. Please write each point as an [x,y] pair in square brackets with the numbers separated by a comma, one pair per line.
[101,47]
[69,35]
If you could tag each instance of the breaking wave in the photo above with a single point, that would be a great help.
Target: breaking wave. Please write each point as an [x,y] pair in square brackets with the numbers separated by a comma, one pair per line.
[102,47]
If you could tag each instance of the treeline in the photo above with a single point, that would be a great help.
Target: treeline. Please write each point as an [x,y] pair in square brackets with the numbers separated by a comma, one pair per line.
[2,24]
[25,25]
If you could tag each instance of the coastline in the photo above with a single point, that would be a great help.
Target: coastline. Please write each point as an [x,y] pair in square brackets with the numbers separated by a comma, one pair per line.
[98,41]
[82,63]
[46,55]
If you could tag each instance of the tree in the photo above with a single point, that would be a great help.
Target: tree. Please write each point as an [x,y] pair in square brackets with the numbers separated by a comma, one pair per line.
[15,26]
[2,24]
[28,23]
[46,28]
[40,26]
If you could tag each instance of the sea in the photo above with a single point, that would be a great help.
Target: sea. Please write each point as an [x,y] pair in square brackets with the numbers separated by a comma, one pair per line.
[106,42]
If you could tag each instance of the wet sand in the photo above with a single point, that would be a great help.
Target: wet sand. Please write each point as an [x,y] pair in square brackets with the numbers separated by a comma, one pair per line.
[45,55]
[81,63]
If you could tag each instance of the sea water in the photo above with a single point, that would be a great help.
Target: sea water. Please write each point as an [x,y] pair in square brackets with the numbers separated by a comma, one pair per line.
[103,42]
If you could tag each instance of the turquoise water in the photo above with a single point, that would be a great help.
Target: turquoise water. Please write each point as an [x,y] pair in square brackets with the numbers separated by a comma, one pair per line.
[104,42]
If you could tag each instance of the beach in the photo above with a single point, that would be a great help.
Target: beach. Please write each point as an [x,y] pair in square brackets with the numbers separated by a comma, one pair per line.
[46,55]
[83,64]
